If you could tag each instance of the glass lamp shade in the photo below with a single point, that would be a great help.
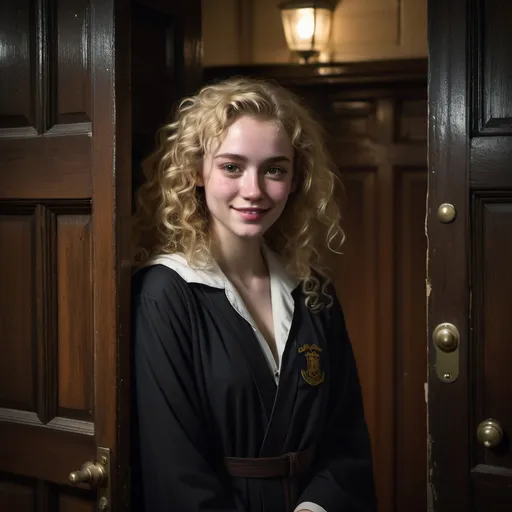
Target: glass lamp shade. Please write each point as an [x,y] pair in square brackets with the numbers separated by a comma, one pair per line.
[307,26]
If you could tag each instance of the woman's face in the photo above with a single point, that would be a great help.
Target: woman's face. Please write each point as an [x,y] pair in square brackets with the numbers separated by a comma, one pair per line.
[247,178]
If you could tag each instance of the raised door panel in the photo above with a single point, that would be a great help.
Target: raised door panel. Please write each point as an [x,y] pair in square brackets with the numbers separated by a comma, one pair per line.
[18,68]
[70,66]
[491,467]
[27,495]
[18,375]
[46,314]
[45,91]
[493,67]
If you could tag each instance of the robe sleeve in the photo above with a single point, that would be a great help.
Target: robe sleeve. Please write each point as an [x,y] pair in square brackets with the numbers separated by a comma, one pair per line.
[342,479]
[174,451]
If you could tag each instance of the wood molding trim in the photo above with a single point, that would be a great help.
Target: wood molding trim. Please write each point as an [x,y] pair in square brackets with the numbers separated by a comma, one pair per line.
[373,72]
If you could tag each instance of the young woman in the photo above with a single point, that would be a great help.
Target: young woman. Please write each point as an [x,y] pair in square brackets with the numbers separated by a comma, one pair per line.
[247,393]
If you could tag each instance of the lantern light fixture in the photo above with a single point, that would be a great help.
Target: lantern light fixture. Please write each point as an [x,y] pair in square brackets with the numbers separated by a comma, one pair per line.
[307,26]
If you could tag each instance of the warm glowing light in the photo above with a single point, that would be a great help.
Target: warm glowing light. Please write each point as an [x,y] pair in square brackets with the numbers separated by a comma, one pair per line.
[305,26]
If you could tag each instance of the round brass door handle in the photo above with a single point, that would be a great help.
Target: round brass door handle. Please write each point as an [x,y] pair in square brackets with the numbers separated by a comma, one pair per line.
[446,213]
[90,473]
[446,337]
[490,433]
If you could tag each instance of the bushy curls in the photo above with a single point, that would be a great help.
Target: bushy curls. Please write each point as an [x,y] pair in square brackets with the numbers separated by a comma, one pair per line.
[172,216]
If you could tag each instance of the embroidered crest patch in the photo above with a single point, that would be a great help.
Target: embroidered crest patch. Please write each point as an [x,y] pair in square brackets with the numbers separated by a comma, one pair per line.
[313,373]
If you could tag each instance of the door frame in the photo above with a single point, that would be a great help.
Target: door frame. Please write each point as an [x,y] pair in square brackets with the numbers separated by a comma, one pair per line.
[447,285]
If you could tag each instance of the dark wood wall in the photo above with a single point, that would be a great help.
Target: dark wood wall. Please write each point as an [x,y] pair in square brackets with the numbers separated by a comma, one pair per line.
[375,115]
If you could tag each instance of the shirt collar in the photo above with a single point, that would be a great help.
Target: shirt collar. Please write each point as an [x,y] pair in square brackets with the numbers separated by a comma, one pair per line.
[212,275]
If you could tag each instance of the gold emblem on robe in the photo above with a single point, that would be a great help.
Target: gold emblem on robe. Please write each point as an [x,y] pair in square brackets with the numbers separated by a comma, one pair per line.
[313,373]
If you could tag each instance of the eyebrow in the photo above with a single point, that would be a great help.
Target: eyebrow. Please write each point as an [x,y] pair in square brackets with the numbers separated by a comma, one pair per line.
[242,158]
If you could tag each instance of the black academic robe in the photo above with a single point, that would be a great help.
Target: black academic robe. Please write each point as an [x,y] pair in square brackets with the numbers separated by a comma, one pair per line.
[204,391]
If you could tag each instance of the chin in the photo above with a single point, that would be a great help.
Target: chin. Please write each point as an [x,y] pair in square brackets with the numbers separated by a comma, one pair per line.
[250,234]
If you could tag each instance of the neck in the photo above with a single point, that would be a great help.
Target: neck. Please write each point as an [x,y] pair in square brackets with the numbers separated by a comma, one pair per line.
[240,260]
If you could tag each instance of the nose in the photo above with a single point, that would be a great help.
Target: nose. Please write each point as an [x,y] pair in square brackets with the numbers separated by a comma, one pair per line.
[251,186]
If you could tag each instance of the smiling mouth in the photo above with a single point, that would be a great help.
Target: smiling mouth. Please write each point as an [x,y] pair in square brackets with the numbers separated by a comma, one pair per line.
[254,211]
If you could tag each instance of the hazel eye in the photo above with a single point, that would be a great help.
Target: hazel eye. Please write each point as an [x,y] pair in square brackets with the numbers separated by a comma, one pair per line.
[275,171]
[231,167]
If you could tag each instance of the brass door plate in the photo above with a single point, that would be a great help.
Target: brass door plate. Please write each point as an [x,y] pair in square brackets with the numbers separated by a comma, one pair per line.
[446,340]
[103,457]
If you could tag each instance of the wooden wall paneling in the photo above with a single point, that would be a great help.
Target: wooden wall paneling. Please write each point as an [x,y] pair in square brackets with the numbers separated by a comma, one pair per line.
[348,123]
[410,168]
[411,375]
[386,128]
[356,277]
[385,290]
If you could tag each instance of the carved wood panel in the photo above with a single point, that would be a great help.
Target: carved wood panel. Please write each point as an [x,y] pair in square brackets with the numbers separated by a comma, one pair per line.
[378,140]
[491,349]
[493,68]
[18,381]
[18,66]
[70,66]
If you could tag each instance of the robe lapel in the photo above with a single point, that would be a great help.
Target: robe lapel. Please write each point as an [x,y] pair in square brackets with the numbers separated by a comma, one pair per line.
[286,398]
[244,336]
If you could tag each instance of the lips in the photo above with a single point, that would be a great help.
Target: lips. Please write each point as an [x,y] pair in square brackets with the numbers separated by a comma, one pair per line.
[251,214]
[251,210]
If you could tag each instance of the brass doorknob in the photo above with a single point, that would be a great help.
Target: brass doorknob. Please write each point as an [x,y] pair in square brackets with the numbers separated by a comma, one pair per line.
[489,433]
[90,473]
[446,213]
[446,337]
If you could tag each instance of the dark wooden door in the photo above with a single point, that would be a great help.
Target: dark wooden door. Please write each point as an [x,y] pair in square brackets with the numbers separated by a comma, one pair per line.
[65,203]
[470,257]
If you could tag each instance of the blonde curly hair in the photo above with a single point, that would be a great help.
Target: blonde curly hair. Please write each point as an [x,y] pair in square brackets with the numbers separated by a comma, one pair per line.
[172,216]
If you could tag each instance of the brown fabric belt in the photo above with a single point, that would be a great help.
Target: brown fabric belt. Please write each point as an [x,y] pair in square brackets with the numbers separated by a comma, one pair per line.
[287,466]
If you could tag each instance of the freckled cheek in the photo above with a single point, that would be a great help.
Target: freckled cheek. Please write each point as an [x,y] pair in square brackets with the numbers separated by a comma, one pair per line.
[221,189]
[279,191]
